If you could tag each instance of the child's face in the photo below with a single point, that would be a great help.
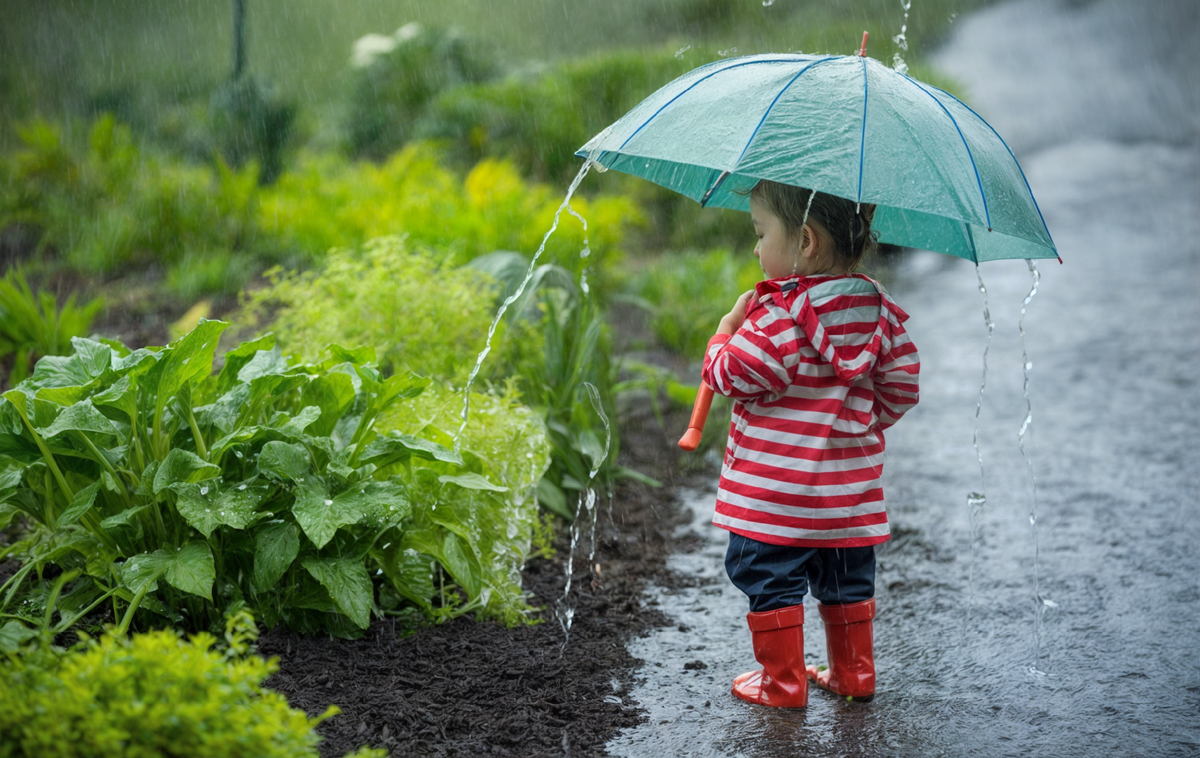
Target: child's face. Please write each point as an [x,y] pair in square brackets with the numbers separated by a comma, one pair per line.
[777,254]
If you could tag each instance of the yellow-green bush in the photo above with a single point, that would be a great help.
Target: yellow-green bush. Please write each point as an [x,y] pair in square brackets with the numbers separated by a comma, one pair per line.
[327,202]
[150,696]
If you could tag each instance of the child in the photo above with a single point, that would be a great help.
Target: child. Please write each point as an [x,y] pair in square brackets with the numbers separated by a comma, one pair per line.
[818,363]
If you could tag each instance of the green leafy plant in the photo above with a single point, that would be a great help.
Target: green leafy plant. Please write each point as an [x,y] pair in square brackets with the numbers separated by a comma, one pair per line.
[154,694]
[33,325]
[182,492]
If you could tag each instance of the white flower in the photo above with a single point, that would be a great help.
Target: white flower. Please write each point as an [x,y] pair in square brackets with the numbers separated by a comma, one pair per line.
[367,48]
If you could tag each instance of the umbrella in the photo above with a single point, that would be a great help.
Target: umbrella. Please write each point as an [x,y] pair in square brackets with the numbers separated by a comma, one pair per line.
[940,177]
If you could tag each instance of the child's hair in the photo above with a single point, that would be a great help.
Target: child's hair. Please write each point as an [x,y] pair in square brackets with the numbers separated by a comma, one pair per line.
[848,223]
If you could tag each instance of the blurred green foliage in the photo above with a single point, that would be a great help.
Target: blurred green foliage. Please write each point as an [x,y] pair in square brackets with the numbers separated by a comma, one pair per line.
[33,325]
[153,694]
[250,121]
[394,77]
[687,293]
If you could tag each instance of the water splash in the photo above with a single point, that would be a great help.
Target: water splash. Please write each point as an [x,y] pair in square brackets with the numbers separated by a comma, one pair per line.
[768,3]
[901,40]
[585,509]
[977,500]
[487,347]
[727,53]
[679,53]
[1040,603]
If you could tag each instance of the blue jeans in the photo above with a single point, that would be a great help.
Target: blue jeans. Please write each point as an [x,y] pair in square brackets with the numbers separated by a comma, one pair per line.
[778,576]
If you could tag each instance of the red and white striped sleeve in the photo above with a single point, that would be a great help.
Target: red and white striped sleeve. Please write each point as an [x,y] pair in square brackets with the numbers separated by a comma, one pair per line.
[750,363]
[897,377]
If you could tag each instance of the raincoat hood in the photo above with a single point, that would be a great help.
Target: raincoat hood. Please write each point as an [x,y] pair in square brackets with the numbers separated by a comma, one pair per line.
[802,297]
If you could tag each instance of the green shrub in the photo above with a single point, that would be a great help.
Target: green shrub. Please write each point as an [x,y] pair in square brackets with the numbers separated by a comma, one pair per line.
[688,293]
[153,695]
[394,77]
[422,314]
[185,493]
[538,120]
[35,325]
[112,205]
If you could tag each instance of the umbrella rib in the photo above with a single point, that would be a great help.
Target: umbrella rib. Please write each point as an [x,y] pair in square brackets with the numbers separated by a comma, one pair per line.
[695,83]
[862,147]
[770,107]
[1010,155]
[971,242]
[986,213]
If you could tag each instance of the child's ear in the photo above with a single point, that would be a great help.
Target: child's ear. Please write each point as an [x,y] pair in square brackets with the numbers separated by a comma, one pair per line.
[809,242]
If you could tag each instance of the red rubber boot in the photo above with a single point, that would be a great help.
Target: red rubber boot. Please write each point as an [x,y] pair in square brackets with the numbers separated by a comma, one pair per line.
[851,648]
[778,638]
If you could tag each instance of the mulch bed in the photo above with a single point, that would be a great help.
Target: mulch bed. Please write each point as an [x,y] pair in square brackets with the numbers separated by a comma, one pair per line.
[469,689]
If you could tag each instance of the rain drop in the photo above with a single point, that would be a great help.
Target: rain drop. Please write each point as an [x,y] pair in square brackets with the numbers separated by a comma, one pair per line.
[204,490]
[328,501]
[679,53]
[727,53]
[768,3]
[241,486]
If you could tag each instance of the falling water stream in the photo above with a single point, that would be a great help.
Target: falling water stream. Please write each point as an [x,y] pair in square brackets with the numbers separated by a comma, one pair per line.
[977,500]
[508,301]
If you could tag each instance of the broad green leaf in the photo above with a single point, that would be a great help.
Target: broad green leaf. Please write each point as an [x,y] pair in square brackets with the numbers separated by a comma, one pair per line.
[320,516]
[296,425]
[472,482]
[61,371]
[64,396]
[451,552]
[124,518]
[206,506]
[461,563]
[187,359]
[283,460]
[83,502]
[191,569]
[143,571]
[81,417]
[182,466]
[95,357]
[553,499]
[347,582]
[276,545]
[238,357]
[357,356]
[397,448]
[264,363]
[7,512]
[122,395]
[333,393]
[409,571]
[13,635]
[138,362]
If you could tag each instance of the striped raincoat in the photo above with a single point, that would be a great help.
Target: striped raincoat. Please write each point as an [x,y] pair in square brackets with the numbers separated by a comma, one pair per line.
[819,368]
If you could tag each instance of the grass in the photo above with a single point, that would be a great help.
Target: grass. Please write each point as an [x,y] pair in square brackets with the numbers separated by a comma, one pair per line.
[70,55]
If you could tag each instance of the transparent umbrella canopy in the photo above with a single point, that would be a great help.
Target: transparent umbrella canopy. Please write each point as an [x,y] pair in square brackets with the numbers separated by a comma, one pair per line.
[942,178]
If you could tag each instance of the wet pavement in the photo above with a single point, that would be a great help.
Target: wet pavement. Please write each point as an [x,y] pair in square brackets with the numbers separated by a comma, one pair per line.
[1102,112]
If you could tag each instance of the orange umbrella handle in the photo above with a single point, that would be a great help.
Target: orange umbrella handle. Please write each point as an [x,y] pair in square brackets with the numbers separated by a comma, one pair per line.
[691,438]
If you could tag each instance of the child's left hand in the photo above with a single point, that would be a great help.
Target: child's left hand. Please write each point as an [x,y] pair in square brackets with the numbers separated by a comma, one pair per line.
[732,321]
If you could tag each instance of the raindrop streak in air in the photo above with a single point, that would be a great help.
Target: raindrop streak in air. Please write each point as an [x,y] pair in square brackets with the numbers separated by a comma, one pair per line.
[901,40]
[977,500]
[1040,603]
[679,53]
[487,346]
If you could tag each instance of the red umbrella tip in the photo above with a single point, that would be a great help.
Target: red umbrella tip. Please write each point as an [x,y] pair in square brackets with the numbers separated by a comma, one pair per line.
[862,51]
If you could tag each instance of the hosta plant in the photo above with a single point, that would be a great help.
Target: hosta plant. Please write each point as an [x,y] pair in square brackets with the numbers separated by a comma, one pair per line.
[181,491]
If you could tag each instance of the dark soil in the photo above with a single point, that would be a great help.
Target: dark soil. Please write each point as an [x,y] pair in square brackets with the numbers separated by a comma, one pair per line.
[467,688]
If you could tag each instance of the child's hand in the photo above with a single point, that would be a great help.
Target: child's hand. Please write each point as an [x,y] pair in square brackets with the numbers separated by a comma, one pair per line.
[732,321]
